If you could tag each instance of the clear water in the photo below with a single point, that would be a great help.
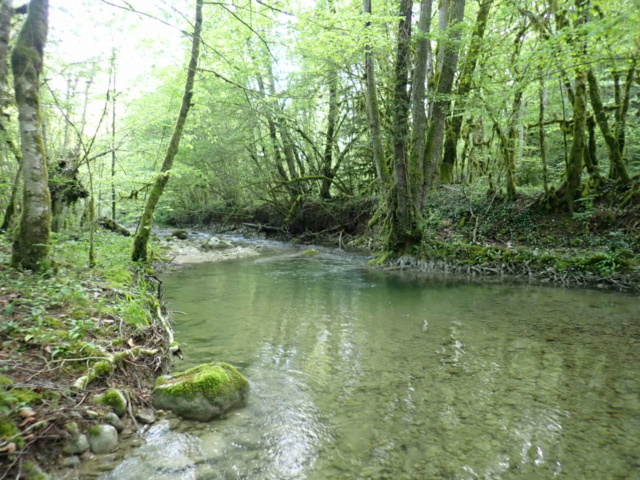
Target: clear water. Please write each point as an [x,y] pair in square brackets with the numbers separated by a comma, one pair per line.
[361,374]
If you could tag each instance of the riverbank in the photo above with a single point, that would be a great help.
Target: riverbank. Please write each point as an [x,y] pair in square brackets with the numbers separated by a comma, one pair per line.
[469,234]
[79,348]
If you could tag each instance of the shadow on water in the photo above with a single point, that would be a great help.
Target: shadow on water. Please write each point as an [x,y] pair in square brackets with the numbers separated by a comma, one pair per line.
[358,373]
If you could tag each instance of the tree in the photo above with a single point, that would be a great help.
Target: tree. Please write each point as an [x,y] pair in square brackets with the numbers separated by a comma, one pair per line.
[141,240]
[31,245]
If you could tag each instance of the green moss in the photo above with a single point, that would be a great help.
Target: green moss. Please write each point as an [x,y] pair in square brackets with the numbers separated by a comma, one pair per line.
[113,398]
[25,395]
[94,431]
[32,471]
[310,252]
[4,380]
[212,380]
[7,428]
[180,234]
[103,368]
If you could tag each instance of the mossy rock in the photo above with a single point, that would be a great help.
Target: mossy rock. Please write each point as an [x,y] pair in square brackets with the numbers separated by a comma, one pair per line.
[115,399]
[180,234]
[310,252]
[201,393]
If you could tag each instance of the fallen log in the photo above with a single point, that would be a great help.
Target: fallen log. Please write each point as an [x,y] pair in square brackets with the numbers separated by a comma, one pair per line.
[109,224]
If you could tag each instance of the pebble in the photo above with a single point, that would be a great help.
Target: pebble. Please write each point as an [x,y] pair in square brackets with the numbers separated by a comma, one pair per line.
[71,462]
[145,417]
[113,420]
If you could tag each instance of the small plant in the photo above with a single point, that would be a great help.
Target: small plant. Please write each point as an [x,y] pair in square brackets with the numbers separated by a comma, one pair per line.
[80,328]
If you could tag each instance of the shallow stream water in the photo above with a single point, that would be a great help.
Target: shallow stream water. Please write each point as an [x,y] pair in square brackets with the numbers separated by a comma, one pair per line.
[362,374]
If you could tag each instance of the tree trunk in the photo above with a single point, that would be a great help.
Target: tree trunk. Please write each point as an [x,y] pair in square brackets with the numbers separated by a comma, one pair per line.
[31,245]
[623,101]
[618,170]
[12,206]
[464,87]
[440,107]
[590,158]
[541,134]
[404,230]
[575,165]
[373,113]
[141,241]
[418,113]
[6,13]
[273,135]
[113,141]
[327,168]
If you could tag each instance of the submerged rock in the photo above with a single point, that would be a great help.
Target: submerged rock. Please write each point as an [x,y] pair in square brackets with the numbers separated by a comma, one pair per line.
[215,243]
[103,439]
[201,393]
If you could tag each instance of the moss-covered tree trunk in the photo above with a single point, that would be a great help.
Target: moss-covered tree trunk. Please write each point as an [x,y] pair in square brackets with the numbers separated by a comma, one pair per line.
[575,163]
[31,245]
[404,230]
[418,90]
[452,135]
[435,133]
[618,169]
[13,205]
[327,168]
[6,13]
[373,114]
[141,240]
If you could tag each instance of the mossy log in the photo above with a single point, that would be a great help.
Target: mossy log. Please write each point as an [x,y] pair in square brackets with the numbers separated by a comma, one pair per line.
[109,363]
[109,224]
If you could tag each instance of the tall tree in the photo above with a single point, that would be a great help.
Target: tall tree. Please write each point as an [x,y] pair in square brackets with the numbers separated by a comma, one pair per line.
[373,112]
[465,84]
[31,245]
[440,108]
[418,113]
[141,240]
[404,216]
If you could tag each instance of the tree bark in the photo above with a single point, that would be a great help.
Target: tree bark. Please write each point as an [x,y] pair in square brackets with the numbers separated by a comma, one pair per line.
[327,168]
[541,133]
[435,134]
[575,163]
[6,13]
[404,230]
[141,240]
[31,245]
[418,113]
[464,87]
[373,114]
[618,170]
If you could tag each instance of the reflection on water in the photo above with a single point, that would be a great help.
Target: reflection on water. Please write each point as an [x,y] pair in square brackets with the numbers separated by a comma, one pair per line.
[360,374]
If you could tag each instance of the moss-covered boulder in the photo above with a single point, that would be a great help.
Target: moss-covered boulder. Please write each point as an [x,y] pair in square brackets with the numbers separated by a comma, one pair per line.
[201,393]
[180,234]
[115,399]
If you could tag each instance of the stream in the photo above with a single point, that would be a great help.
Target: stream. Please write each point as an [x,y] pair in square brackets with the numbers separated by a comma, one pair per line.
[358,373]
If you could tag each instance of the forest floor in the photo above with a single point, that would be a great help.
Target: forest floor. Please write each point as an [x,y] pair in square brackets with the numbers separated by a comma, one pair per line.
[66,337]
[471,233]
